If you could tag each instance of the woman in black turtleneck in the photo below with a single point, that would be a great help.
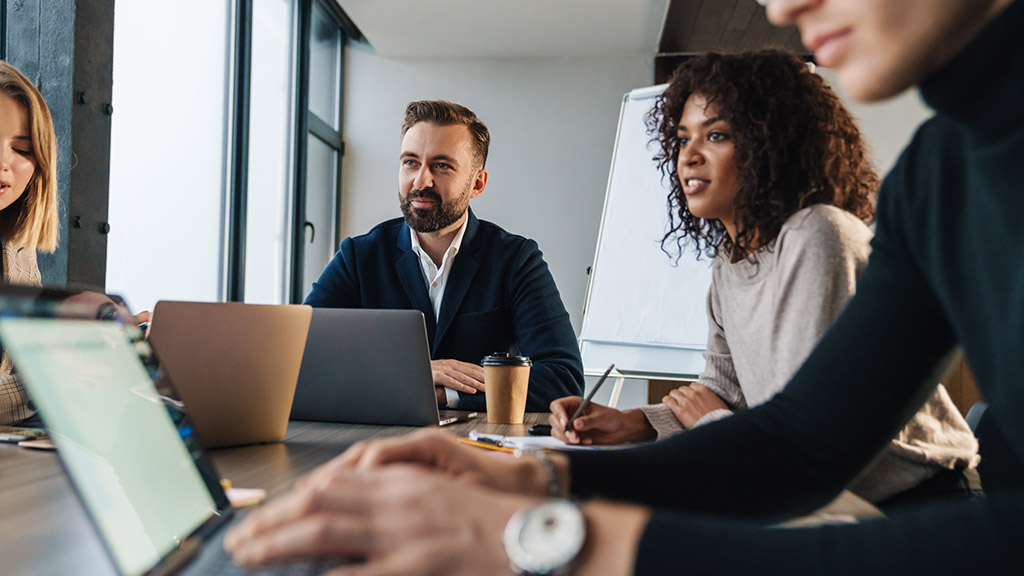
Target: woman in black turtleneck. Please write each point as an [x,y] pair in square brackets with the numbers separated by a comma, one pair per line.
[947,269]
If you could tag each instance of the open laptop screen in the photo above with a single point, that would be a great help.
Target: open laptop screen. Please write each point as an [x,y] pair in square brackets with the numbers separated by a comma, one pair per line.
[144,489]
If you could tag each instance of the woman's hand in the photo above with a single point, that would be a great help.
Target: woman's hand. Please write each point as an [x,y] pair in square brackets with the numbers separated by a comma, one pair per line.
[439,451]
[395,520]
[598,424]
[142,317]
[96,304]
[402,520]
[691,403]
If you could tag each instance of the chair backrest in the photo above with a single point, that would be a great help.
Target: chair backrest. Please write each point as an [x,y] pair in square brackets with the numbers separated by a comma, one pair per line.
[1000,468]
[974,415]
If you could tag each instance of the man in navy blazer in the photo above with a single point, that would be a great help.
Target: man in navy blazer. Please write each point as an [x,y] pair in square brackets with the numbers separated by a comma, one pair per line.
[481,289]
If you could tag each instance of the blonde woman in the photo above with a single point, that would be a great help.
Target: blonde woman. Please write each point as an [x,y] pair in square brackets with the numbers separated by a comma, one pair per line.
[28,204]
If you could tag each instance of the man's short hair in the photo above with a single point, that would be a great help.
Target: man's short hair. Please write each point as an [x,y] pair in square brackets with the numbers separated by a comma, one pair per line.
[444,113]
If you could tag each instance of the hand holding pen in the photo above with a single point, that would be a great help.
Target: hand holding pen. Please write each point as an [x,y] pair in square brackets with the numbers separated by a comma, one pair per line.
[586,401]
[593,424]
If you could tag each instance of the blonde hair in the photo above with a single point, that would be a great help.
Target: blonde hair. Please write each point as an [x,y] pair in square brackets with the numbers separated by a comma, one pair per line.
[31,220]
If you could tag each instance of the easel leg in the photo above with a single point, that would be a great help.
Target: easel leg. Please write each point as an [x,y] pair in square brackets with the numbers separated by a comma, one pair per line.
[616,392]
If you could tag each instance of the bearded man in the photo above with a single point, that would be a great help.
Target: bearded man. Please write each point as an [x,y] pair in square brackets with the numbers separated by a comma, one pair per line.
[481,289]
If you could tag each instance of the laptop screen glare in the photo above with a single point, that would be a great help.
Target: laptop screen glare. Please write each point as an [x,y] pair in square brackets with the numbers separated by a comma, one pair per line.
[115,436]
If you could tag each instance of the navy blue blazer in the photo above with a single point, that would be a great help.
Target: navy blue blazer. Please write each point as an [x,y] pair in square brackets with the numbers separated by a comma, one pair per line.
[500,297]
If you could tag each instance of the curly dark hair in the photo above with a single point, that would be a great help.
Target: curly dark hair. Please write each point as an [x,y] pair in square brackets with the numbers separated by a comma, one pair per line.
[795,146]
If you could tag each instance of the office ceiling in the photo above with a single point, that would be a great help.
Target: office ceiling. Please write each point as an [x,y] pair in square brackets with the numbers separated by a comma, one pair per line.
[723,25]
[508,28]
[562,28]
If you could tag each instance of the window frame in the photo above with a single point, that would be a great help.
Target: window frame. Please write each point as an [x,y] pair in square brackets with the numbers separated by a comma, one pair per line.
[307,124]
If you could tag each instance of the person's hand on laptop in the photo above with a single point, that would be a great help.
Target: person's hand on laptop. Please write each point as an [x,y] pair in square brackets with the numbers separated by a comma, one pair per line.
[598,425]
[459,376]
[406,520]
[103,307]
[439,451]
[398,520]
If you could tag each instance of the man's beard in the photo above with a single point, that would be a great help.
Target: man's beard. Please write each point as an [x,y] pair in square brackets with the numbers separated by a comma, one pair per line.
[442,215]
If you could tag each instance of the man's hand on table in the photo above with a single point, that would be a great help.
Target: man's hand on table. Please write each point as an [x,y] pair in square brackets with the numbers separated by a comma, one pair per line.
[459,376]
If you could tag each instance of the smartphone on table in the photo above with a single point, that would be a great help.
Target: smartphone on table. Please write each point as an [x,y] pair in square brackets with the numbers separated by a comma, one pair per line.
[540,430]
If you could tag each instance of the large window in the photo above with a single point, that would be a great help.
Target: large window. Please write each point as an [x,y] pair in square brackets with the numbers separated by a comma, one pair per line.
[225,158]
[169,150]
[271,151]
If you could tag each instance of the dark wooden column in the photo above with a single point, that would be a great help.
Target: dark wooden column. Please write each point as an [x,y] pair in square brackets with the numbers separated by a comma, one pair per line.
[92,110]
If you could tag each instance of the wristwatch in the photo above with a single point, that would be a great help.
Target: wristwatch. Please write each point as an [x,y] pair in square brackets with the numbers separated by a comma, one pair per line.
[543,539]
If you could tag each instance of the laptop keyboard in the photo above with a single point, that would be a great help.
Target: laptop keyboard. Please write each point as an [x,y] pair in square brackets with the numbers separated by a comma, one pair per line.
[223,566]
[213,560]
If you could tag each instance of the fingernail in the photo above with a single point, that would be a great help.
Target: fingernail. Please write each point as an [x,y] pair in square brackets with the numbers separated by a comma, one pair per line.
[250,556]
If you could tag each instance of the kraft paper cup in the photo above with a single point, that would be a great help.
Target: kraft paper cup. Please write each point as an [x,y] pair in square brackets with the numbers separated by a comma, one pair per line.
[506,380]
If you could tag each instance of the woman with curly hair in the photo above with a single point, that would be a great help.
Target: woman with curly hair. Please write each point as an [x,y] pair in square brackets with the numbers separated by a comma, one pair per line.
[769,177]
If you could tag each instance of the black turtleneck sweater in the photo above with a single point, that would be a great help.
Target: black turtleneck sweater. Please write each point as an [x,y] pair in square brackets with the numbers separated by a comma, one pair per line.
[947,268]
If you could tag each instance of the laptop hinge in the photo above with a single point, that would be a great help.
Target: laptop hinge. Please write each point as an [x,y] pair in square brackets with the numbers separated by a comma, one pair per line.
[180,557]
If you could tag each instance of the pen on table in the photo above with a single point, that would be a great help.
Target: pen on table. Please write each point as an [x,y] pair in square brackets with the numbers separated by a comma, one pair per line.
[486,440]
[586,401]
[490,444]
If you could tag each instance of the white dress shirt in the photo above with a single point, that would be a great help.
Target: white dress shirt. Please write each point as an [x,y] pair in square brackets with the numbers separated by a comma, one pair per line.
[436,279]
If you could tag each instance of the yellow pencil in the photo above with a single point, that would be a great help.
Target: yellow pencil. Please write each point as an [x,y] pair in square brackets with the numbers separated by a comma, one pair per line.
[486,445]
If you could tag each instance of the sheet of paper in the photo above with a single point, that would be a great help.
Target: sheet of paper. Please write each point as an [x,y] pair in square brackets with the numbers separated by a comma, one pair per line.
[533,442]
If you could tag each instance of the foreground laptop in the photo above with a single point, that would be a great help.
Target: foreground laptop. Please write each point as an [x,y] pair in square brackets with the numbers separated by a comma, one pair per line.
[368,367]
[132,457]
[234,365]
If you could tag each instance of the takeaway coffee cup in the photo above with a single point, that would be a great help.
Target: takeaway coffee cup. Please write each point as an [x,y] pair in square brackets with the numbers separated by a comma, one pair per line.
[506,380]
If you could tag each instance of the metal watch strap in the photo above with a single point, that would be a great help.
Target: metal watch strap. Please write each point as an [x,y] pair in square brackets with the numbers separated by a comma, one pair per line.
[554,486]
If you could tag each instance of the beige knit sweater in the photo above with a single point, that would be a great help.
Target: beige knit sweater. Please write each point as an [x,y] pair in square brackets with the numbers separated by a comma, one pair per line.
[19,267]
[765,318]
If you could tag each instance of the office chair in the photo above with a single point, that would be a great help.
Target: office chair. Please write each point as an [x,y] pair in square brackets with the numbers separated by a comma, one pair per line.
[1001,467]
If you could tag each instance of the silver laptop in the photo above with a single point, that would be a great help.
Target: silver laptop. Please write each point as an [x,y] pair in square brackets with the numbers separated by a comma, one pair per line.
[368,367]
[132,457]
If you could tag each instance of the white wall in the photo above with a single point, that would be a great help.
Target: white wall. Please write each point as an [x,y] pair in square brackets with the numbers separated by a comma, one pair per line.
[552,124]
[887,126]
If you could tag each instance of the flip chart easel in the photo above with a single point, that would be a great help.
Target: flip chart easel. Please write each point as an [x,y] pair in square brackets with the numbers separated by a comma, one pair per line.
[645,311]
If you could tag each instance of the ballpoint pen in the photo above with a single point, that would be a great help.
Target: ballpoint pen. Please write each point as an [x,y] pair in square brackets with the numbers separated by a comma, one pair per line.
[586,401]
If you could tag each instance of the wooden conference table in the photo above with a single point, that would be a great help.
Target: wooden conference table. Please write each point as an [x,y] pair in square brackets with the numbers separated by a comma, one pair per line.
[44,529]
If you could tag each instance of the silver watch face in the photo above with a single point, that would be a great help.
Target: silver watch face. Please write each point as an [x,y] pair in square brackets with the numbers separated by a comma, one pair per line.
[545,538]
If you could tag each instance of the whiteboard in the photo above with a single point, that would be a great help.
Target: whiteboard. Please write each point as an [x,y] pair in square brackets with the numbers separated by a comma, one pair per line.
[645,311]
